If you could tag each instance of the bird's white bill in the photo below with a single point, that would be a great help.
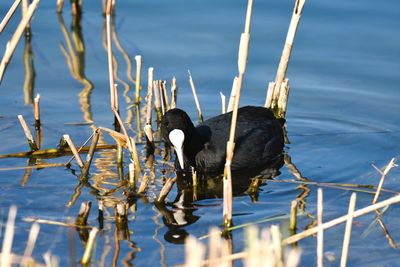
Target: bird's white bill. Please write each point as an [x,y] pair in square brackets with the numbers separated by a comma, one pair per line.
[177,137]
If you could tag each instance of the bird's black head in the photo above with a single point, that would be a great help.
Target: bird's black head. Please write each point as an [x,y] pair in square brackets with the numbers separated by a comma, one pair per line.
[175,119]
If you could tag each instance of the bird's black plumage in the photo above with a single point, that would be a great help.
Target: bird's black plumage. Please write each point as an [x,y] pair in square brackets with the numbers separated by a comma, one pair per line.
[258,138]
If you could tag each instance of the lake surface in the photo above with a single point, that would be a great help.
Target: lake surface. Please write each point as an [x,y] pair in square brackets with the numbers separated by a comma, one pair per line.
[343,115]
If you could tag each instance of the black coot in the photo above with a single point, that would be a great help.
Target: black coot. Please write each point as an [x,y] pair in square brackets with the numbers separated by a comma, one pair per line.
[258,140]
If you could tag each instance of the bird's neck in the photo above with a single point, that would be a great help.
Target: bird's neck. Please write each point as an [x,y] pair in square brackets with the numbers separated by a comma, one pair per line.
[193,144]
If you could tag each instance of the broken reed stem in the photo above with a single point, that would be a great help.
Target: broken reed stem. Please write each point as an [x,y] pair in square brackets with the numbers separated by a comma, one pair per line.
[28,133]
[138,60]
[242,61]
[166,189]
[8,238]
[196,100]
[33,234]
[149,97]
[233,94]
[320,234]
[9,14]
[347,235]
[165,95]
[270,93]
[143,184]
[174,93]
[223,103]
[12,44]
[287,49]
[293,216]
[157,100]
[384,173]
[89,246]
[36,110]
[73,150]
[60,5]
[357,213]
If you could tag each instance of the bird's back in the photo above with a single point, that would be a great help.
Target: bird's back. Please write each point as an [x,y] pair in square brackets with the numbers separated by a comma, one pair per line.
[258,139]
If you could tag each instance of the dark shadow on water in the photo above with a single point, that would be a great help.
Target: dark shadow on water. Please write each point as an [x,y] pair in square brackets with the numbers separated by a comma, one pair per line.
[180,213]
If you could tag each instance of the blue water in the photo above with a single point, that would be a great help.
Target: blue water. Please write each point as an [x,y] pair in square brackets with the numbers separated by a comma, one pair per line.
[343,115]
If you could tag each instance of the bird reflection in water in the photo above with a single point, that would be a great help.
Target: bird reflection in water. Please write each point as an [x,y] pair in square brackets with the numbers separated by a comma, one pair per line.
[181,212]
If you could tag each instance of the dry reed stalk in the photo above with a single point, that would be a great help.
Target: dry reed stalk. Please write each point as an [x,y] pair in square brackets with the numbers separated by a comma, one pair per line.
[33,234]
[116,99]
[196,100]
[80,149]
[357,213]
[25,5]
[60,5]
[165,95]
[174,93]
[293,216]
[293,258]
[89,246]
[157,100]
[347,235]
[320,234]
[12,44]
[143,184]
[74,150]
[166,189]
[194,252]
[277,246]
[28,133]
[110,55]
[270,93]
[89,156]
[132,180]
[138,60]
[8,15]
[8,238]
[36,110]
[149,102]
[283,98]
[383,175]
[51,152]
[242,61]
[287,49]
[214,245]
[43,221]
[161,94]
[223,103]
[38,166]
[128,140]
[135,158]
[233,95]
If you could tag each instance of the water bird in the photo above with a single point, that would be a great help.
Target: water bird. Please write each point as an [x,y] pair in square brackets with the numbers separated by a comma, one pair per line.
[258,139]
